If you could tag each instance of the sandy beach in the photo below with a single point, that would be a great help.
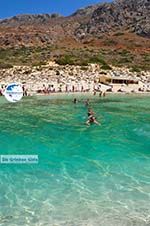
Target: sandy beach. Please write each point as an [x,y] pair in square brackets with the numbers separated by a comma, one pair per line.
[53,78]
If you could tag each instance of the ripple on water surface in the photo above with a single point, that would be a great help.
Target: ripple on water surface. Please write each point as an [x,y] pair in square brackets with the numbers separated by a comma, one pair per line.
[94,176]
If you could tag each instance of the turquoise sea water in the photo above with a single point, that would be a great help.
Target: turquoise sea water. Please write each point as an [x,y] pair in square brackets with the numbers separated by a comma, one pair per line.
[86,175]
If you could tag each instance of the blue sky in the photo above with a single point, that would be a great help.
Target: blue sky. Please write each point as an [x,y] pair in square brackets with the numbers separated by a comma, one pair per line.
[10,8]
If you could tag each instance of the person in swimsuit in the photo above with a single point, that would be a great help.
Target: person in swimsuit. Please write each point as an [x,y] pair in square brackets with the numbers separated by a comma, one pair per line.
[91,118]
[90,112]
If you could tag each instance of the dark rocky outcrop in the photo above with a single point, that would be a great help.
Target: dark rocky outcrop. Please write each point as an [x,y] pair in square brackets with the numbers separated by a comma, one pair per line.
[131,15]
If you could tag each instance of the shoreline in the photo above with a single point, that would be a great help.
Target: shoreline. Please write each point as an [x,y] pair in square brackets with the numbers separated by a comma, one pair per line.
[83,95]
[53,78]
[90,94]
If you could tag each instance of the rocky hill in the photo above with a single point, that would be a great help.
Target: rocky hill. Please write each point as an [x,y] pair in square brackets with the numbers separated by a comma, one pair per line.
[44,29]
[94,21]
[29,20]
[119,29]
[125,15]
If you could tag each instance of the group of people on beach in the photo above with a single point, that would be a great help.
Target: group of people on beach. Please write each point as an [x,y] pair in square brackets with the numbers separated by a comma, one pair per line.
[91,115]
[47,89]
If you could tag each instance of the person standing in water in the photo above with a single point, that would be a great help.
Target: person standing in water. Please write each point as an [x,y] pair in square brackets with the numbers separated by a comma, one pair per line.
[75,101]
[87,102]
[91,118]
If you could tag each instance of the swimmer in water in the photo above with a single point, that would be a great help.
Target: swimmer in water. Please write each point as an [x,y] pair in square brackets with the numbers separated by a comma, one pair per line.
[87,102]
[91,118]
[75,101]
[90,112]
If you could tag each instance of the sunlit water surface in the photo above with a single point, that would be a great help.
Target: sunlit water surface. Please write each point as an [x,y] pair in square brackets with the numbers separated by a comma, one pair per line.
[86,175]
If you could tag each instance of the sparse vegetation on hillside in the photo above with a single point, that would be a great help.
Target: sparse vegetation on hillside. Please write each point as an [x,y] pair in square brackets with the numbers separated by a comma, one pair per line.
[115,33]
[4,65]
[37,56]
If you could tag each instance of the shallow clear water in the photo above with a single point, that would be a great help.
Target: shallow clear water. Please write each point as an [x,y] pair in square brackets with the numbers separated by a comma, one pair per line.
[89,176]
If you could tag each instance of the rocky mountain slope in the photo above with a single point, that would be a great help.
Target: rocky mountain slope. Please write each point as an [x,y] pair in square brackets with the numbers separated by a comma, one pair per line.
[42,29]
[121,27]
[125,15]
[93,21]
